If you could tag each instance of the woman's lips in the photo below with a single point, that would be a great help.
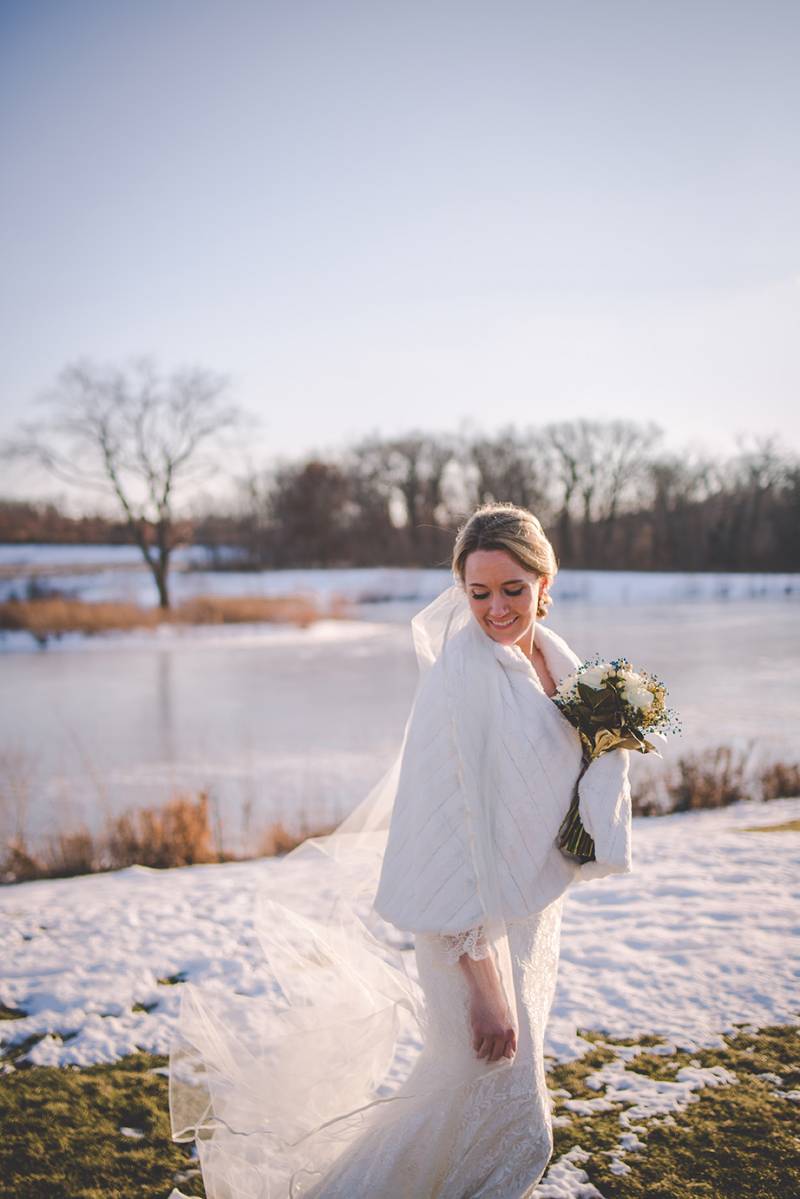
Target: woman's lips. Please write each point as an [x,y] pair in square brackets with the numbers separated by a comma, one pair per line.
[502,624]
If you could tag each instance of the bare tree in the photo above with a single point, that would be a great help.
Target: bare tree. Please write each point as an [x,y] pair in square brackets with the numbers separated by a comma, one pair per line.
[598,464]
[512,467]
[565,476]
[138,436]
[412,470]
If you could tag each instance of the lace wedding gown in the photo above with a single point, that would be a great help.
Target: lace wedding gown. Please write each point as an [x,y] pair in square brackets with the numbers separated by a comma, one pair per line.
[493,1138]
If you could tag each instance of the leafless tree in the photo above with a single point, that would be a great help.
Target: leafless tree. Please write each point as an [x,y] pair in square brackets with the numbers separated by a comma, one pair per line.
[597,465]
[135,435]
[412,469]
[512,467]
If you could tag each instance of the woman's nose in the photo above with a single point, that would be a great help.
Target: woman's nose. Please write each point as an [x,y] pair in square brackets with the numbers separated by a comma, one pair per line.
[498,606]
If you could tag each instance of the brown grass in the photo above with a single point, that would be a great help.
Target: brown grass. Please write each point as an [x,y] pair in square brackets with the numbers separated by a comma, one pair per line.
[56,615]
[780,779]
[711,778]
[715,778]
[181,832]
[786,826]
[177,834]
[277,839]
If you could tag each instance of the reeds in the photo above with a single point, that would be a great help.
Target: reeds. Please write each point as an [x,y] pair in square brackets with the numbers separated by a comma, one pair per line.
[54,616]
[715,777]
[186,830]
[780,779]
[179,833]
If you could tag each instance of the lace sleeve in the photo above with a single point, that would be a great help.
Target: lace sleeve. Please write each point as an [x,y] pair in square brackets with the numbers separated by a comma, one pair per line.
[471,942]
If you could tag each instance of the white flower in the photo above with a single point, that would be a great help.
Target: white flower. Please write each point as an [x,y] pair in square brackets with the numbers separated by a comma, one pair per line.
[595,676]
[638,696]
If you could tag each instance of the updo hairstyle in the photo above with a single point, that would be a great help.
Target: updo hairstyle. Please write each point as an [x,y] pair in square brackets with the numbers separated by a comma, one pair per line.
[515,530]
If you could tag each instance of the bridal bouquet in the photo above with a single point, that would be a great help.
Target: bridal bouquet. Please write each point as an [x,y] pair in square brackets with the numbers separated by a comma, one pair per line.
[613,707]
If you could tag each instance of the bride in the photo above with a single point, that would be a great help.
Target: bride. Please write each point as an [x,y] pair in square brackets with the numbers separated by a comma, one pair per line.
[364,1073]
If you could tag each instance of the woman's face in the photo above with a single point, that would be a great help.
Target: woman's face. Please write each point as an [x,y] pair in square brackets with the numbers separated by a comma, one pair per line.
[503,596]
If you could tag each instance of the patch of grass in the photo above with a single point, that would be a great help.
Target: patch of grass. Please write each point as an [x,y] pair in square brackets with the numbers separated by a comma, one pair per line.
[179,833]
[715,778]
[11,1013]
[62,1140]
[172,980]
[277,839]
[740,1140]
[780,779]
[62,1137]
[788,826]
[52,616]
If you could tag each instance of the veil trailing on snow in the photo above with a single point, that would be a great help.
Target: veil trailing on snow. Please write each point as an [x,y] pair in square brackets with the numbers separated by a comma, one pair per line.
[274,1088]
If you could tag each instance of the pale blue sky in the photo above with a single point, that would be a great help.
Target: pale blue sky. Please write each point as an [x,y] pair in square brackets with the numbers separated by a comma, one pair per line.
[378,216]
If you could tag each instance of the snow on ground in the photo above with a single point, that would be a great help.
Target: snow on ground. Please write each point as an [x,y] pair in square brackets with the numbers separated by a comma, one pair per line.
[699,937]
[120,574]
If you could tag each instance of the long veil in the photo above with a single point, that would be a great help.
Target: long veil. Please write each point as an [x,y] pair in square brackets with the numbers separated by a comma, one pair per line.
[276,1088]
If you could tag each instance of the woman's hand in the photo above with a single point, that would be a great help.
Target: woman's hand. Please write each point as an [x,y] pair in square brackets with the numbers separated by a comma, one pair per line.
[493,1034]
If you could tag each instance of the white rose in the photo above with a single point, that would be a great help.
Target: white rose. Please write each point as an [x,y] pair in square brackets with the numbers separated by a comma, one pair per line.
[638,696]
[595,676]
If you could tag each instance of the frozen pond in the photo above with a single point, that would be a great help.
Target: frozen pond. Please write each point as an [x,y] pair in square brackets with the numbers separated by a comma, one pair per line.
[284,723]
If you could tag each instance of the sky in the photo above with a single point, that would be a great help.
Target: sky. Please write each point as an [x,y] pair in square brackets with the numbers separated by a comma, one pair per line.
[375,216]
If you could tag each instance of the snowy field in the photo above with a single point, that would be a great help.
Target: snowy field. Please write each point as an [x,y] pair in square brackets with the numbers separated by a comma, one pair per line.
[116,572]
[700,939]
[703,935]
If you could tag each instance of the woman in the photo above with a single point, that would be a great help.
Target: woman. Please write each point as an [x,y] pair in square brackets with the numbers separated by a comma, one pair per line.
[457,844]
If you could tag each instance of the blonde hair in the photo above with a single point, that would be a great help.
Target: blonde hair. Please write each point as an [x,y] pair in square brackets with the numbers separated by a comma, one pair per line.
[515,530]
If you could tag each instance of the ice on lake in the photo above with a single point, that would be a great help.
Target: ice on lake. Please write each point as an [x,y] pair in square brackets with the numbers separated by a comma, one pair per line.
[285,723]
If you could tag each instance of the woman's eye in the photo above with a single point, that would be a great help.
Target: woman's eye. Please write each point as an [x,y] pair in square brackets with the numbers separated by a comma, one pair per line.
[485,594]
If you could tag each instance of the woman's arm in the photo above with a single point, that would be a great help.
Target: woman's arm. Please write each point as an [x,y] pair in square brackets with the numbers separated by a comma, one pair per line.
[493,1034]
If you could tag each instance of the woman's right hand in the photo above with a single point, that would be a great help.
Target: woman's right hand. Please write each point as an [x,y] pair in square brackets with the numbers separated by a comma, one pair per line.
[493,1034]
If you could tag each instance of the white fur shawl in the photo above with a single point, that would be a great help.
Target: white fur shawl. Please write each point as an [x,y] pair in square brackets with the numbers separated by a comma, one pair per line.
[481,719]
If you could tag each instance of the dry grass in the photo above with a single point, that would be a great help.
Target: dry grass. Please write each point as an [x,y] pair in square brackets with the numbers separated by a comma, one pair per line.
[785,826]
[277,839]
[181,832]
[715,778]
[711,780]
[177,834]
[62,1127]
[780,779]
[56,615]
[212,609]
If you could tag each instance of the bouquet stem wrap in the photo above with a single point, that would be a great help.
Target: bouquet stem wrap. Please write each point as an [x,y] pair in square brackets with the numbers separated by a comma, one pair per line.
[573,839]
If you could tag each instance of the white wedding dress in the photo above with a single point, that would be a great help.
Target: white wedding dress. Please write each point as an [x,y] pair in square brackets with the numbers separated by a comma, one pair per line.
[292,1099]
[493,1138]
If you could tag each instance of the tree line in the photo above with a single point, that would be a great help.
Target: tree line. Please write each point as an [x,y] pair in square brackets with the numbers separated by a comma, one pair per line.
[608,492]
[607,496]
